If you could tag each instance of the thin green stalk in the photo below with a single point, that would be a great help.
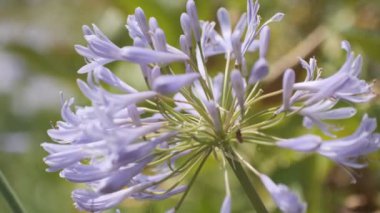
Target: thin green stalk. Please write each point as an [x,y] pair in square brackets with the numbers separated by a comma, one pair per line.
[268,95]
[246,183]
[192,181]
[9,195]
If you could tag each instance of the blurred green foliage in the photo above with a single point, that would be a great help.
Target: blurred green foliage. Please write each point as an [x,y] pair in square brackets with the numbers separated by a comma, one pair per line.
[37,60]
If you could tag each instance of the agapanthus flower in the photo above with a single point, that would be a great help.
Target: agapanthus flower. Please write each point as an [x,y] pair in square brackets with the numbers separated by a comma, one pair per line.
[144,145]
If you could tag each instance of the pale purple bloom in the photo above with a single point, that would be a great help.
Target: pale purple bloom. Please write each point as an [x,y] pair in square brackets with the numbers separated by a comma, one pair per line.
[347,151]
[225,24]
[127,143]
[145,56]
[238,85]
[142,23]
[315,114]
[194,20]
[184,44]
[318,96]
[170,84]
[259,71]
[253,21]
[186,28]
[159,40]
[342,85]
[286,200]
[287,87]
[94,202]
[264,41]
[306,143]
[236,48]
[104,74]
[229,41]
[212,109]
[309,67]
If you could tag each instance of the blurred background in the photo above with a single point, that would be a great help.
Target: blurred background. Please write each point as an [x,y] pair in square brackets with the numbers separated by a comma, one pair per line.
[37,61]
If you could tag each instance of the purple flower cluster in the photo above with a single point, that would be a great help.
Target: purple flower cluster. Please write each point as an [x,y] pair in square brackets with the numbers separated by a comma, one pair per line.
[142,145]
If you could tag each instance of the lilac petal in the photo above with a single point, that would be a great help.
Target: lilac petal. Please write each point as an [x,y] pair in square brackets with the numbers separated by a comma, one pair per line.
[94,94]
[287,87]
[93,202]
[346,46]
[226,206]
[309,67]
[186,28]
[328,89]
[241,24]
[55,148]
[141,21]
[87,30]
[348,150]
[90,93]
[94,64]
[340,113]
[159,40]
[136,152]
[64,135]
[134,29]
[154,73]
[80,173]
[286,200]
[217,86]
[84,51]
[276,18]
[184,44]
[259,71]
[225,23]
[103,48]
[104,74]
[356,66]
[153,24]
[367,124]
[194,20]
[99,33]
[310,120]
[254,46]
[236,47]
[306,143]
[238,86]
[134,114]
[264,41]
[214,114]
[60,160]
[131,134]
[122,177]
[145,56]
[252,23]
[67,114]
[169,84]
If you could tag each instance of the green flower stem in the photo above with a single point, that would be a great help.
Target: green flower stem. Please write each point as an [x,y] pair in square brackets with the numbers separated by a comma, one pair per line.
[245,182]
[10,195]
[192,180]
